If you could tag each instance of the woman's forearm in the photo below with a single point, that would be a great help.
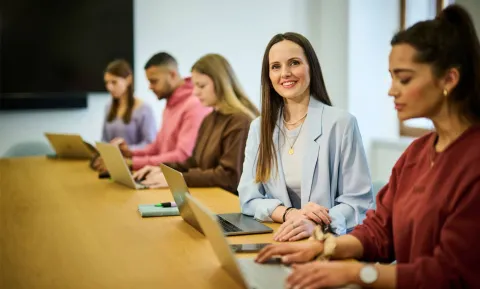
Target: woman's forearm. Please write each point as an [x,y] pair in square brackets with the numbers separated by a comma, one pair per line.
[277,214]
[387,276]
[348,247]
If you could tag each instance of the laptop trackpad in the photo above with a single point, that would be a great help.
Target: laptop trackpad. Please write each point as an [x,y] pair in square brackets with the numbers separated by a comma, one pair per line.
[263,275]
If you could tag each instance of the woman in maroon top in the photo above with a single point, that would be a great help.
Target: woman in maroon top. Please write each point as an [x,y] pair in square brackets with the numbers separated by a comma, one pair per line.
[427,216]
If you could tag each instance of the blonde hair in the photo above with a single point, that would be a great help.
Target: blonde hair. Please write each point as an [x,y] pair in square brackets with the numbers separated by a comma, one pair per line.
[231,98]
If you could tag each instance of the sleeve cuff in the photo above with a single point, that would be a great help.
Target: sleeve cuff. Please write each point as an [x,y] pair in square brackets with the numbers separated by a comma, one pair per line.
[265,208]
[339,223]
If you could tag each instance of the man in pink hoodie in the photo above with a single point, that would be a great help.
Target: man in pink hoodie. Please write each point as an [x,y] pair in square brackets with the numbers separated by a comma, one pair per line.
[182,116]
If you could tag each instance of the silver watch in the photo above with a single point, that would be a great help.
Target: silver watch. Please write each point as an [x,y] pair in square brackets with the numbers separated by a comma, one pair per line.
[368,274]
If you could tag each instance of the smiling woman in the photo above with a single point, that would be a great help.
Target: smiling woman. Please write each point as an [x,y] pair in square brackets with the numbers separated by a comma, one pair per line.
[304,161]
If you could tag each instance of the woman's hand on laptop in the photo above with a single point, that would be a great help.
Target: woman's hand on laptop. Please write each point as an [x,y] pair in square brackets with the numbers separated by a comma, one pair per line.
[333,274]
[145,171]
[99,165]
[122,145]
[155,180]
[291,252]
[296,227]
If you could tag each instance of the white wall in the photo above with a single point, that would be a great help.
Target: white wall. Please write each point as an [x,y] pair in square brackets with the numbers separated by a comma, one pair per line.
[384,154]
[239,30]
[198,30]
[372,24]
[23,126]
[329,29]
[473,7]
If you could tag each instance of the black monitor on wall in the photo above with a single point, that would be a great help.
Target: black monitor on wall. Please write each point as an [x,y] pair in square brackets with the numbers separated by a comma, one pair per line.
[53,52]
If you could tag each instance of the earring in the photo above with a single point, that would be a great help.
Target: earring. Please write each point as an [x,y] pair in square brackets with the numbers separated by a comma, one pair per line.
[445,92]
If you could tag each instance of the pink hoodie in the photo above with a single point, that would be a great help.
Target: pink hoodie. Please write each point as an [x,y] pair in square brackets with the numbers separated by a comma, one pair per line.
[176,139]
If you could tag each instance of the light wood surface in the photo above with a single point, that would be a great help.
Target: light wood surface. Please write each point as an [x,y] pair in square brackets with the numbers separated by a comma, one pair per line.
[62,227]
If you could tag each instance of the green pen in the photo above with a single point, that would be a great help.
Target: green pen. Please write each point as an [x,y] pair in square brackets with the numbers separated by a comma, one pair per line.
[166,205]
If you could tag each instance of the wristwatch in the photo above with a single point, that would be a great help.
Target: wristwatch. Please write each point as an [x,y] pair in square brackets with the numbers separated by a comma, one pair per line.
[368,274]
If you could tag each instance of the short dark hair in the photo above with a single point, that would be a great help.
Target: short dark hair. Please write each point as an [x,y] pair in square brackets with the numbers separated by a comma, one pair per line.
[159,59]
[450,41]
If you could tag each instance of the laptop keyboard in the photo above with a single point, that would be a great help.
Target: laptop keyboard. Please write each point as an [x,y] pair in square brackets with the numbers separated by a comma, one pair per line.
[227,226]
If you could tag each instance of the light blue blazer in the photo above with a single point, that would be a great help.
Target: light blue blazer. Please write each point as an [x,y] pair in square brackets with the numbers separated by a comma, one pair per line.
[334,170]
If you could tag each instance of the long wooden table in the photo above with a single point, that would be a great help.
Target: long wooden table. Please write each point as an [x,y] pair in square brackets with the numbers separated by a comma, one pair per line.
[62,227]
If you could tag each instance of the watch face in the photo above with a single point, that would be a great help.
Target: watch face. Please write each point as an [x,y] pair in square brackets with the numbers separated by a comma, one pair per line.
[368,274]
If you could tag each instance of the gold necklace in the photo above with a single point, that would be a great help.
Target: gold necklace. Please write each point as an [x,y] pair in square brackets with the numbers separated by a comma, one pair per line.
[295,122]
[291,151]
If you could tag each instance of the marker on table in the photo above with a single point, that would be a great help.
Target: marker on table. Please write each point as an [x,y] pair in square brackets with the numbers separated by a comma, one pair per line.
[166,204]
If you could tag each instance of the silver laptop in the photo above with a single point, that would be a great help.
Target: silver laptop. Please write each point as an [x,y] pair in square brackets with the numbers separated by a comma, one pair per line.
[69,146]
[232,224]
[116,165]
[244,271]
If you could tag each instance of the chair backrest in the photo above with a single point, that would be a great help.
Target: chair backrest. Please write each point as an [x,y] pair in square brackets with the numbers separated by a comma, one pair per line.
[377,186]
[28,148]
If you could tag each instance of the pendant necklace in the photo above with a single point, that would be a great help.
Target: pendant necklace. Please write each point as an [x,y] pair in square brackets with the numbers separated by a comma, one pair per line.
[291,151]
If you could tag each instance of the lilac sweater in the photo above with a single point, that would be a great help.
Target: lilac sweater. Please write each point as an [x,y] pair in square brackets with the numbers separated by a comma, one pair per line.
[138,133]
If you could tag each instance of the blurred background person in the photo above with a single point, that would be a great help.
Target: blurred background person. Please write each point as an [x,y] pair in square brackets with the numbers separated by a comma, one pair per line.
[220,147]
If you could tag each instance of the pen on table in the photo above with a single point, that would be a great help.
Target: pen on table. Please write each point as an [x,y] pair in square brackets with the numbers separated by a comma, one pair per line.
[166,204]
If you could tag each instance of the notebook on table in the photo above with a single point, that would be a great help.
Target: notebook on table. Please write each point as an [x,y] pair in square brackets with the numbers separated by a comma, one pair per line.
[154,211]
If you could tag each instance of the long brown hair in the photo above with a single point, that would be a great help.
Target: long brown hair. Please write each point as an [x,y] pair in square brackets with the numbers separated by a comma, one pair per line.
[273,104]
[231,97]
[121,68]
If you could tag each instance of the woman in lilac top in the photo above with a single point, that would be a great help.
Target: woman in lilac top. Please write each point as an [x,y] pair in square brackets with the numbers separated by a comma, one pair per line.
[127,117]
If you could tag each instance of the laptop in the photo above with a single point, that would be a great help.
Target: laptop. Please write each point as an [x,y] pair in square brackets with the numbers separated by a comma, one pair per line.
[116,165]
[244,270]
[232,224]
[70,146]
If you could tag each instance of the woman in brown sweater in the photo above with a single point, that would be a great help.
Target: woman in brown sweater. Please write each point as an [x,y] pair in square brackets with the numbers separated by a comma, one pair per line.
[219,151]
[428,214]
